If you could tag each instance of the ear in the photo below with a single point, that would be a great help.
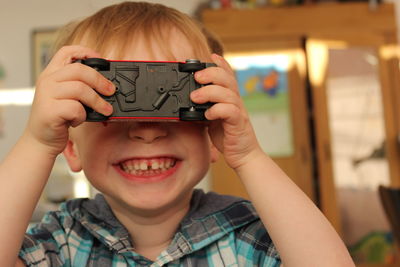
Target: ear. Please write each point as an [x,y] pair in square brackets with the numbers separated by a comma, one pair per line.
[72,156]
[214,153]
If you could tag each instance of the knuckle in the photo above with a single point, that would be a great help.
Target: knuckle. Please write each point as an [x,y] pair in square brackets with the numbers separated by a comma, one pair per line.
[78,88]
[93,77]
[232,96]
[78,110]
[74,70]
[94,101]
[205,74]
[78,68]
[82,87]
[235,110]
[211,73]
[99,81]
[98,101]
[65,50]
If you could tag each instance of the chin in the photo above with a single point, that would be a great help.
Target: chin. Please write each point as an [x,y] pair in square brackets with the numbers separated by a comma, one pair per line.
[157,201]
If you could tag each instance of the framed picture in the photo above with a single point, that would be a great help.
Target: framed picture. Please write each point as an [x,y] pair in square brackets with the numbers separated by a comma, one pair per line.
[42,48]
[263,81]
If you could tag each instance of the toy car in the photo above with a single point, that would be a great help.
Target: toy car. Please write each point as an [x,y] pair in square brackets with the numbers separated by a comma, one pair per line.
[150,90]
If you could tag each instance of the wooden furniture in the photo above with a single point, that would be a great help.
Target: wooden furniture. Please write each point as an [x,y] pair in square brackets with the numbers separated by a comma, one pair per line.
[295,28]
[391,203]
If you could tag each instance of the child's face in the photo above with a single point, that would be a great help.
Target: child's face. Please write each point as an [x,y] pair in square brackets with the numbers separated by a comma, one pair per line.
[174,156]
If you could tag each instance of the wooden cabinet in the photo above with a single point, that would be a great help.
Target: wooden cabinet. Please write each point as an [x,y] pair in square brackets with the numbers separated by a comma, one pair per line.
[309,33]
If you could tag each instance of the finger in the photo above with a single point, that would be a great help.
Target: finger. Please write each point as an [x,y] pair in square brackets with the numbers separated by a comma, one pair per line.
[221,62]
[215,94]
[217,76]
[81,92]
[87,75]
[72,112]
[229,113]
[67,55]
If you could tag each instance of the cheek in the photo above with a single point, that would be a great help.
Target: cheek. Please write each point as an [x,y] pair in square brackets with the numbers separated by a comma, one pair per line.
[95,141]
[200,151]
[93,154]
[197,141]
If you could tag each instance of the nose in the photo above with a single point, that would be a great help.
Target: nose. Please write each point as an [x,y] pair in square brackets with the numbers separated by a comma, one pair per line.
[147,132]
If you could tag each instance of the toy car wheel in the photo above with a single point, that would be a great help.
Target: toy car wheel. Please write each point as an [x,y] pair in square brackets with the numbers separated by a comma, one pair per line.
[191,115]
[94,116]
[97,118]
[97,63]
[191,66]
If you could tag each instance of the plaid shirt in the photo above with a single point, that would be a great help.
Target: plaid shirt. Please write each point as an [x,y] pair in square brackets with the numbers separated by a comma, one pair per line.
[217,231]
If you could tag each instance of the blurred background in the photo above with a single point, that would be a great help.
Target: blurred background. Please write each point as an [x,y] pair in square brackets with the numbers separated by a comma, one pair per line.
[321,82]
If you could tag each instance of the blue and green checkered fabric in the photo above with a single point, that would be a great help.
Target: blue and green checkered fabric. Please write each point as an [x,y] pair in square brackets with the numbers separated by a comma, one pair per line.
[217,231]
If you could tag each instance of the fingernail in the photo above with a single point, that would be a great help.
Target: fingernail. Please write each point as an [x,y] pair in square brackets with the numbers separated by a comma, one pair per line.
[111,87]
[194,94]
[108,109]
[198,75]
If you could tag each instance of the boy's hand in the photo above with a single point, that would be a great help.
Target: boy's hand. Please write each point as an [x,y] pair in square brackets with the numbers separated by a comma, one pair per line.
[230,128]
[61,90]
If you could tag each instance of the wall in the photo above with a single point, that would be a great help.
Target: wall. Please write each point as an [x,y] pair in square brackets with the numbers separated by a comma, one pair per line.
[19,18]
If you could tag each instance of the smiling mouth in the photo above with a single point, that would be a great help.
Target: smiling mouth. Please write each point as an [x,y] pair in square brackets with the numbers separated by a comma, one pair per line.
[147,167]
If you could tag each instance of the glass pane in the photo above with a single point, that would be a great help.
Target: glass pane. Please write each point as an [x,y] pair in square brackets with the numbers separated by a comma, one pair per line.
[359,161]
[264,88]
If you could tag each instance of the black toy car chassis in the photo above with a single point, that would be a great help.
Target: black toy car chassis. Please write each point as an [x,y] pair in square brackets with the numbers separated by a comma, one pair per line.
[150,90]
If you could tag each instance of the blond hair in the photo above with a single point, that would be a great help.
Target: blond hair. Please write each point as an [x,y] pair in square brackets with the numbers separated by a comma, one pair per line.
[117,25]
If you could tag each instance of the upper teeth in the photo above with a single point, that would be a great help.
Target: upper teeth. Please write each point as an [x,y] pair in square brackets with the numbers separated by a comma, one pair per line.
[148,164]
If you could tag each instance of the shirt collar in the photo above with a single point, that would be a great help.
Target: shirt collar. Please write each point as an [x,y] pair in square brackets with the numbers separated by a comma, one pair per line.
[210,217]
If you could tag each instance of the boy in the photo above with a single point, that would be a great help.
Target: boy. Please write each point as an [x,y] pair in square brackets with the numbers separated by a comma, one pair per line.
[148,213]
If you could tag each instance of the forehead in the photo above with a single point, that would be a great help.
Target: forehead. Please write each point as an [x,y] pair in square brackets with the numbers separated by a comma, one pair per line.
[172,46]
